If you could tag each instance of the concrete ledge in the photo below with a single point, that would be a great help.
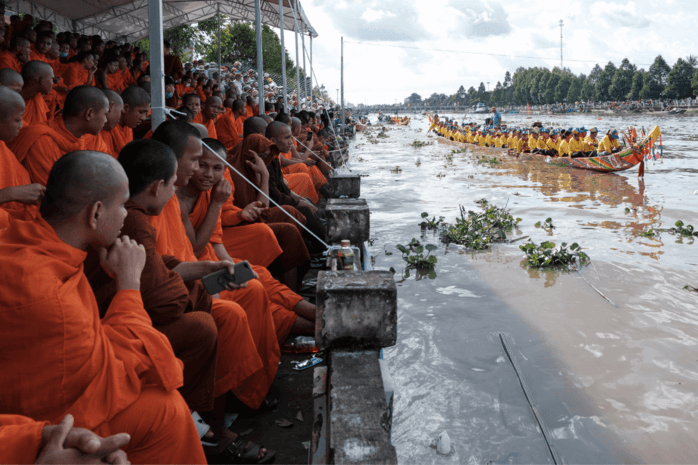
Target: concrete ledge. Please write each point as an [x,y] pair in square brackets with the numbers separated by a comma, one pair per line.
[356,310]
[347,219]
[359,424]
[335,158]
[320,440]
[344,185]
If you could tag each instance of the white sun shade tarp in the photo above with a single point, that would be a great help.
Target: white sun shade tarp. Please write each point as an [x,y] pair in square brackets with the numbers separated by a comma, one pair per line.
[127,20]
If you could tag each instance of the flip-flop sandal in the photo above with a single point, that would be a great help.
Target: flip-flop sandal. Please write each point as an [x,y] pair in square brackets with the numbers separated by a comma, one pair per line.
[241,451]
[202,428]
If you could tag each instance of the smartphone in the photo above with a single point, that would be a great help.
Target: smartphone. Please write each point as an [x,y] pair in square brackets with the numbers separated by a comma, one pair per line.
[216,282]
[310,136]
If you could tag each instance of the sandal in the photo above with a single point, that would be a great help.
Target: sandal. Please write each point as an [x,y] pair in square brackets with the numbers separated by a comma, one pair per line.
[241,451]
[202,428]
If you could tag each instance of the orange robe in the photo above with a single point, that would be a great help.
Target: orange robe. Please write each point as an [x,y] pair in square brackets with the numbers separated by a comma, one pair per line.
[116,374]
[117,138]
[20,438]
[75,75]
[115,81]
[35,110]
[211,128]
[96,143]
[316,175]
[12,174]
[229,129]
[199,118]
[39,146]
[283,303]
[127,79]
[36,56]
[10,60]
[252,378]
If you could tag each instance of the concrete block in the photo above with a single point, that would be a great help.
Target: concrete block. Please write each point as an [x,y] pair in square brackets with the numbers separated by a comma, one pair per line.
[389,390]
[335,158]
[319,442]
[356,310]
[347,219]
[359,432]
[344,184]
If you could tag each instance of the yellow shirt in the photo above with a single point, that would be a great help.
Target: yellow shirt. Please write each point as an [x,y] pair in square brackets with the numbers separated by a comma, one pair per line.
[482,140]
[575,145]
[510,142]
[541,144]
[532,142]
[471,138]
[591,141]
[607,144]
[564,149]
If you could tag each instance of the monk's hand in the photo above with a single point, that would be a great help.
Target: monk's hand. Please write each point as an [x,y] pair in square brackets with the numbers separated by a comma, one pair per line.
[230,266]
[221,191]
[124,260]
[252,211]
[64,444]
[257,165]
[312,207]
[309,162]
[29,194]
[56,79]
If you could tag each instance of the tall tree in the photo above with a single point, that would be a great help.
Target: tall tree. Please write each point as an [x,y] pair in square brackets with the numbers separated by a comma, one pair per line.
[481,90]
[507,79]
[660,70]
[603,85]
[587,93]
[622,80]
[636,87]
[651,89]
[575,89]
[563,88]
[679,80]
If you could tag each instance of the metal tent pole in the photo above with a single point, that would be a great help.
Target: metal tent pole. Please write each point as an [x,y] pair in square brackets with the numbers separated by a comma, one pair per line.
[157,63]
[310,59]
[298,71]
[220,78]
[283,55]
[341,116]
[305,69]
[260,69]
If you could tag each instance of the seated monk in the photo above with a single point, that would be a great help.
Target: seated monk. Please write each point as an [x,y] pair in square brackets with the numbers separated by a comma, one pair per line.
[38,82]
[136,109]
[116,108]
[302,151]
[209,112]
[172,240]
[23,440]
[16,55]
[202,198]
[39,146]
[215,361]
[42,48]
[193,102]
[114,375]
[80,71]
[108,75]
[17,194]
[297,171]
[229,127]
[12,79]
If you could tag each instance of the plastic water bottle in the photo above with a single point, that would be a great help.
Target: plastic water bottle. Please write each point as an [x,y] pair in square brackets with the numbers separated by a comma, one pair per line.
[300,345]
[345,257]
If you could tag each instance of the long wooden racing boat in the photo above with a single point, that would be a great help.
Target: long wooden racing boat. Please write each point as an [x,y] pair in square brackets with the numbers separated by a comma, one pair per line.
[621,161]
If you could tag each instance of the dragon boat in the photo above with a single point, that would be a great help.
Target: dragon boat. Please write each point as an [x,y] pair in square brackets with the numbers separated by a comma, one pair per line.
[638,150]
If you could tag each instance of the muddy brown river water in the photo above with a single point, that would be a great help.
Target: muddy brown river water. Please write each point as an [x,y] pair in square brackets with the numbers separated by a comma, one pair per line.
[614,380]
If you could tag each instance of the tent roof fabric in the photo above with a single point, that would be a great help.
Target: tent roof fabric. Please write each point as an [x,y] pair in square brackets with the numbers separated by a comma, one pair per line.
[127,20]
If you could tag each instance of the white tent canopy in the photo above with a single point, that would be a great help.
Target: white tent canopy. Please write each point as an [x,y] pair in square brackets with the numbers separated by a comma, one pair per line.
[127,20]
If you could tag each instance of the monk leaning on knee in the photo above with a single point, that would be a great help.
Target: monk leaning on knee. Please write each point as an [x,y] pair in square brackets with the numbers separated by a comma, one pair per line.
[115,374]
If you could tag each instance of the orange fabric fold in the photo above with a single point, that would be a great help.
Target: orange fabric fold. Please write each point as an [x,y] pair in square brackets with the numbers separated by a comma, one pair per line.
[35,111]
[20,438]
[229,130]
[117,138]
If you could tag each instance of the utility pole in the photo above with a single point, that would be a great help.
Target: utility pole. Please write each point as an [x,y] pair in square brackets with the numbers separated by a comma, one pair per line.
[561,24]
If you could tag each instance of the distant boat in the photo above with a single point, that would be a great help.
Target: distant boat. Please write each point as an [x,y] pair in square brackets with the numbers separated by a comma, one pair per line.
[480,108]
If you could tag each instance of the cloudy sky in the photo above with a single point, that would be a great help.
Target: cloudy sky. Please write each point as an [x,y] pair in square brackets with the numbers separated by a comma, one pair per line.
[407,33]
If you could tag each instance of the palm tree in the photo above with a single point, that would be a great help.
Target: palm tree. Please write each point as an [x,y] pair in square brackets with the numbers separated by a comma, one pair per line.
[692,60]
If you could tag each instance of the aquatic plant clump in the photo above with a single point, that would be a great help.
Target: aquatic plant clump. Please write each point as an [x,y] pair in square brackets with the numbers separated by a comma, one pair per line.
[681,231]
[547,255]
[479,230]
[419,143]
[431,223]
[414,255]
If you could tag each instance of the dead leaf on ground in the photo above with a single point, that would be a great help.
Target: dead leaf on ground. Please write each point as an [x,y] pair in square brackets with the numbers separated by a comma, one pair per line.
[284,423]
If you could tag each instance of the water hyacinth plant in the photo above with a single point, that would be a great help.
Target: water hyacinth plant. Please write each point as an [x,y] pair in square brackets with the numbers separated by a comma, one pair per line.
[430,223]
[479,230]
[547,255]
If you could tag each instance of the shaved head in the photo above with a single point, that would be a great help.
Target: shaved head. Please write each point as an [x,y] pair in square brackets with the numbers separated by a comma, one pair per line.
[213,101]
[276,129]
[116,108]
[12,79]
[83,98]
[11,112]
[112,96]
[175,134]
[201,128]
[135,96]
[35,70]
[81,179]
[295,122]
[254,125]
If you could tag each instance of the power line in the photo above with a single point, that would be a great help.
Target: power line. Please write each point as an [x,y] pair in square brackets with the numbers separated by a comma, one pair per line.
[477,53]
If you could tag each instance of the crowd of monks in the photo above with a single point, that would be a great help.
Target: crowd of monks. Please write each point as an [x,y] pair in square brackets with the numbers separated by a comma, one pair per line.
[111,348]
[553,142]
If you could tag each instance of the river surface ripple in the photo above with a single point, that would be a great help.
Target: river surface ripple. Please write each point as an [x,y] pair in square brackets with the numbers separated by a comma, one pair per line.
[613,382]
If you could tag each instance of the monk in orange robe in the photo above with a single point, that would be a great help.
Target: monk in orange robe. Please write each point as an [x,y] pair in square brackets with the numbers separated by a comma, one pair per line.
[18,196]
[113,375]
[43,45]
[172,240]
[80,72]
[229,127]
[193,102]
[116,108]
[23,440]
[136,108]
[109,75]
[38,82]
[201,201]
[12,79]
[16,55]
[39,146]
[209,112]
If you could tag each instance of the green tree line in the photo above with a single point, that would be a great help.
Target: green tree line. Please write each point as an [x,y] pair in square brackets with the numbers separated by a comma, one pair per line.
[536,86]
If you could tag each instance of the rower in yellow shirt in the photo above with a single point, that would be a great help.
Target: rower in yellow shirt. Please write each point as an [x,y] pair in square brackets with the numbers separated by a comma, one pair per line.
[587,148]
[609,143]
[575,145]
[591,138]
[533,140]
[564,148]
